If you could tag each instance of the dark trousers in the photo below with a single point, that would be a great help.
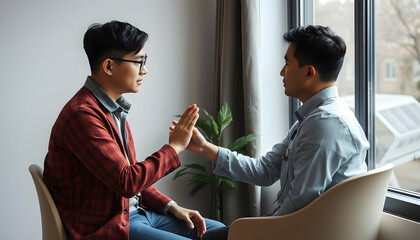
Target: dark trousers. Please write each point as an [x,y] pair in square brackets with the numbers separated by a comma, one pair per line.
[216,234]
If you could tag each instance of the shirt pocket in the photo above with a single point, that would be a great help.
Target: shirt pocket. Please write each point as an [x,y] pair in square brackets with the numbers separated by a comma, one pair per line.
[92,219]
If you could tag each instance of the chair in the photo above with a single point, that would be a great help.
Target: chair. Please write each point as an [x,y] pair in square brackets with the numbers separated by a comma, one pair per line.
[52,227]
[350,210]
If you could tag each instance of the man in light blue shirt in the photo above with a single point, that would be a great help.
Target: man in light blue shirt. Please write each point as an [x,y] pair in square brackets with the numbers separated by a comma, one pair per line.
[325,146]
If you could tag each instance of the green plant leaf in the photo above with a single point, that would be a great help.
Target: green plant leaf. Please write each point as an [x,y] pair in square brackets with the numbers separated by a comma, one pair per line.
[213,122]
[224,117]
[190,166]
[198,178]
[181,173]
[225,123]
[229,182]
[205,126]
[196,166]
[223,114]
[242,141]
[218,180]
[197,188]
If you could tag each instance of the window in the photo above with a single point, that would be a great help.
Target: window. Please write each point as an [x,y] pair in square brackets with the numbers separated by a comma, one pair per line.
[339,16]
[390,70]
[397,96]
[392,121]
[416,72]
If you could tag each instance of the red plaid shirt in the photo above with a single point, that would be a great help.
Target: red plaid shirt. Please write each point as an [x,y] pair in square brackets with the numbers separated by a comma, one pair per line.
[89,177]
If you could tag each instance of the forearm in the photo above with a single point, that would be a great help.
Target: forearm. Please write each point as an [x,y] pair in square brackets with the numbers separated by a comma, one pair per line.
[210,151]
[173,208]
[263,171]
[177,148]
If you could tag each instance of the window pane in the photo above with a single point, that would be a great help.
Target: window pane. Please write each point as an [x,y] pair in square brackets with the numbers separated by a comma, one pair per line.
[339,16]
[397,44]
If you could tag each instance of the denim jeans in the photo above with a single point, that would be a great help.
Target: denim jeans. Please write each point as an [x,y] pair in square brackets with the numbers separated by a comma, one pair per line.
[147,224]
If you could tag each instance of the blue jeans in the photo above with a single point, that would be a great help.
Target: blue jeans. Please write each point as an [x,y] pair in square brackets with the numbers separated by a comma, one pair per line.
[145,224]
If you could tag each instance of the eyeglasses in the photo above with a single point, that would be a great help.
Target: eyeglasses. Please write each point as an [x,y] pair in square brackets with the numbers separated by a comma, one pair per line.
[142,62]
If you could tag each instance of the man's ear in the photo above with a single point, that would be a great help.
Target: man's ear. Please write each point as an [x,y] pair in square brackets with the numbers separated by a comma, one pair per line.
[310,72]
[107,66]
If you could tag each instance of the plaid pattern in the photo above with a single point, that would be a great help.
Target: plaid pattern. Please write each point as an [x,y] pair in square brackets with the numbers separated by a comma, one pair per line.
[89,177]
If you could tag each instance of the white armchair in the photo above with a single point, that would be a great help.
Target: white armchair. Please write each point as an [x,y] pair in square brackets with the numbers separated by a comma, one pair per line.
[350,210]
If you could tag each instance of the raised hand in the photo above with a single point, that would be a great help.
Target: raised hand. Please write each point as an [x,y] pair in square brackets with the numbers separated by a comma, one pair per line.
[198,144]
[181,134]
[197,140]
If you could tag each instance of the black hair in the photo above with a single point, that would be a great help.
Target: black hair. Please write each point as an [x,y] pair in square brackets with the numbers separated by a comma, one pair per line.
[320,47]
[100,40]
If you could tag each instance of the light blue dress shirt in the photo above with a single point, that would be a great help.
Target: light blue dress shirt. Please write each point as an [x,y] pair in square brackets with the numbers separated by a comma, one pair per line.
[325,146]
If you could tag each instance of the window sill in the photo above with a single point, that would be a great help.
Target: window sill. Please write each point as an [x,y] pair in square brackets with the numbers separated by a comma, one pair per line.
[403,203]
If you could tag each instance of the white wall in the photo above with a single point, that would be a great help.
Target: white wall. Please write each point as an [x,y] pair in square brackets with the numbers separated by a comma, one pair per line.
[43,64]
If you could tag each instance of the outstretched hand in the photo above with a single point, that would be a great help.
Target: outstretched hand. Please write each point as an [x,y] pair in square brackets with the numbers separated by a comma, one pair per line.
[180,135]
[197,140]
[197,143]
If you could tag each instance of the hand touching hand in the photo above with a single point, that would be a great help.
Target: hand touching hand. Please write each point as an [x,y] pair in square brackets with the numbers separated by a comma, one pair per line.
[182,132]
[199,144]
[197,140]
[191,217]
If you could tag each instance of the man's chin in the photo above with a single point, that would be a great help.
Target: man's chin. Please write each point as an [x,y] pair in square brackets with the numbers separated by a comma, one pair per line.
[135,89]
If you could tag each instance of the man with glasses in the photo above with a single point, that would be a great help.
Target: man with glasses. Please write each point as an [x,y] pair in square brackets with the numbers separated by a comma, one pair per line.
[100,189]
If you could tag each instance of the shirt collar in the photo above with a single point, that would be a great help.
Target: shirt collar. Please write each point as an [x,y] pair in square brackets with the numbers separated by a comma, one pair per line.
[112,106]
[315,101]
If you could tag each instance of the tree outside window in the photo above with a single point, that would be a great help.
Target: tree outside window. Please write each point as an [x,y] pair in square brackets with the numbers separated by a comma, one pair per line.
[397,79]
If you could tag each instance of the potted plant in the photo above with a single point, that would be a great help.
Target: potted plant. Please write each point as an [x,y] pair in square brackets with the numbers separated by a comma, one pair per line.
[212,131]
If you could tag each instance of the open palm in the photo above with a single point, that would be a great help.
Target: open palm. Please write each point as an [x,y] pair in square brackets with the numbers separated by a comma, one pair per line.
[197,141]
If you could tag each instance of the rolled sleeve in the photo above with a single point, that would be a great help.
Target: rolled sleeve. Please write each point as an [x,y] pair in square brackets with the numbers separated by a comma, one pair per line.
[222,167]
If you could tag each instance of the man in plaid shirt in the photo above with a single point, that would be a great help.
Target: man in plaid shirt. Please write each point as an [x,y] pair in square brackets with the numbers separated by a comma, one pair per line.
[100,189]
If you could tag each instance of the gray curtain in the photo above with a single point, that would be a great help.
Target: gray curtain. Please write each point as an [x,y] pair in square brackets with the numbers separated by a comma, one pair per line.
[237,82]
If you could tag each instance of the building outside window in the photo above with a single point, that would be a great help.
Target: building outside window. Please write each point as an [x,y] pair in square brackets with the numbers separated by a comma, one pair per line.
[416,72]
[390,69]
[398,110]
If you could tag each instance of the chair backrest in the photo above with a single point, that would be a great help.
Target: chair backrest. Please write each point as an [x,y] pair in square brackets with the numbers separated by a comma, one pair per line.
[52,227]
[350,210]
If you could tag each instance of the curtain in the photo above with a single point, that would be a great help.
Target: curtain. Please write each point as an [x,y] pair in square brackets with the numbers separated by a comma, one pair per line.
[237,82]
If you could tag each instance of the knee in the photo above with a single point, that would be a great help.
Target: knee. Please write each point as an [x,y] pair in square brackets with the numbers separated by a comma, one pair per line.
[212,224]
[216,234]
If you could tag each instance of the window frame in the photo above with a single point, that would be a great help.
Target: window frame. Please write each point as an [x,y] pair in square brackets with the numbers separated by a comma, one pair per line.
[399,202]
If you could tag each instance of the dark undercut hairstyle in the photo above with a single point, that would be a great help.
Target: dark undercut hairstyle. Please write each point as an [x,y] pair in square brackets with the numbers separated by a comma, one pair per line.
[113,37]
[320,47]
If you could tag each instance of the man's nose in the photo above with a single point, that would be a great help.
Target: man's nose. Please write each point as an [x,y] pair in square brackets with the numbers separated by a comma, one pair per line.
[282,72]
[143,71]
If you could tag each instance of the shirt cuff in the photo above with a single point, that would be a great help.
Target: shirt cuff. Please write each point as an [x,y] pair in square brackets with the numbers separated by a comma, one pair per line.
[165,210]
[222,166]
